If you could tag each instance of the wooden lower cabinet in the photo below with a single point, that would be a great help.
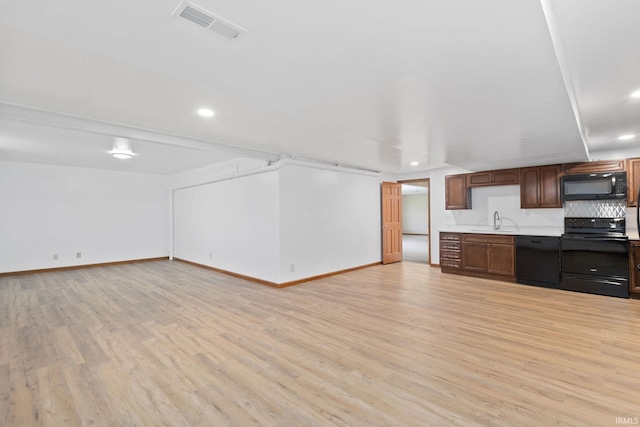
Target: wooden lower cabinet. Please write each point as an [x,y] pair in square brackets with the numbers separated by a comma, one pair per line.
[474,256]
[501,259]
[634,268]
[480,255]
[488,253]
[450,251]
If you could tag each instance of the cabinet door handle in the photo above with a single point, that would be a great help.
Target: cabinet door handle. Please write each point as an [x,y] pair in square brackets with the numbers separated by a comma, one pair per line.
[638,266]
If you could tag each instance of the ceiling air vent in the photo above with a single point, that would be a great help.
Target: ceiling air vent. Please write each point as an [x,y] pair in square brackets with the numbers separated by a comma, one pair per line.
[205,19]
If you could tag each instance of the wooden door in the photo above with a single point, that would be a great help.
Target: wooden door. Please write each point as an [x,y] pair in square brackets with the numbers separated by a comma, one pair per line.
[391,222]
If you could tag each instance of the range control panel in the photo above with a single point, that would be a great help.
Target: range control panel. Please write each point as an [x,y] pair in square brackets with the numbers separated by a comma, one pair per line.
[594,225]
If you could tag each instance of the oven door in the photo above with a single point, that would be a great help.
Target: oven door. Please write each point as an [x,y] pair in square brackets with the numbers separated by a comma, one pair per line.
[595,264]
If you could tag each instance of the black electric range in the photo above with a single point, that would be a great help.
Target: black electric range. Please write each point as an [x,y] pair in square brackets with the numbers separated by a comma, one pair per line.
[595,256]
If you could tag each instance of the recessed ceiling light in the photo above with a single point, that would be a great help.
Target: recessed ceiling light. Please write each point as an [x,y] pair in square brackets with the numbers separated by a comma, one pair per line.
[414,163]
[205,112]
[121,149]
[636,94]
[626,137]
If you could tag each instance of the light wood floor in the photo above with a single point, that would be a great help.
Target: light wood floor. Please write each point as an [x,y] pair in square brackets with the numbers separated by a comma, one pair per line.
[166,343]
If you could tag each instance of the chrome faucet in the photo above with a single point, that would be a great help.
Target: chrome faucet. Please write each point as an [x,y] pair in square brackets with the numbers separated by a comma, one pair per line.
[496,218]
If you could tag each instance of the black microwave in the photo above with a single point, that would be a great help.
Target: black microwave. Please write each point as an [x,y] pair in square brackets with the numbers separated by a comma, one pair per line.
[594,186]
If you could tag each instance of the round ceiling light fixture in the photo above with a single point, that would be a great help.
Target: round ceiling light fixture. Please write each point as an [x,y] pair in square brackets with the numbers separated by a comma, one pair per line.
[636,94]
[121,149]
[626,137]
[414,163]
[205,112]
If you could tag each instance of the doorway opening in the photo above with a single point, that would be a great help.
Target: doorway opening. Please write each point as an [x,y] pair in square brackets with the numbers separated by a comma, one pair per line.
[416,228]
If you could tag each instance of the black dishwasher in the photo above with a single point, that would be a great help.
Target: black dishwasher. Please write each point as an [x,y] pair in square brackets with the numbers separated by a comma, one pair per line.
[538,261]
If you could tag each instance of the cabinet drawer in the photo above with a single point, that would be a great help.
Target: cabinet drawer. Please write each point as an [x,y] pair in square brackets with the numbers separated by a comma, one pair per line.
[450,255]
[449,246]
[450,236]
[450,263]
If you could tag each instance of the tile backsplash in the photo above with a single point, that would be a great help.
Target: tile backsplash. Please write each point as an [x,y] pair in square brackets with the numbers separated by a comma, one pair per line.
[595,208]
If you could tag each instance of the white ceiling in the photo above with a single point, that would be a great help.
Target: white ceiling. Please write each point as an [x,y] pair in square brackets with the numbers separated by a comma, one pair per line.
[369,84]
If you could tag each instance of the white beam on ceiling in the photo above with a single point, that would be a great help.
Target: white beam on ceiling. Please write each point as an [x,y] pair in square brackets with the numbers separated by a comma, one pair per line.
[64,121]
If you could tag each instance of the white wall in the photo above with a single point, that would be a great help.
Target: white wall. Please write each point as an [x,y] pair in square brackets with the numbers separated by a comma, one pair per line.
[439,215]
[329,221]
[318,220]
[107,216]
[231,225]
[415,213]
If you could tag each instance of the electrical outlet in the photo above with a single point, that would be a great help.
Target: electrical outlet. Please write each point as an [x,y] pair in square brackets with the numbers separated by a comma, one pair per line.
[292,268]
[78,254]
[55,257]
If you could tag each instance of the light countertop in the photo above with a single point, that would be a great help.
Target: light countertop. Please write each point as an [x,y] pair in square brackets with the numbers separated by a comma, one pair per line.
[520,231]
[508,230]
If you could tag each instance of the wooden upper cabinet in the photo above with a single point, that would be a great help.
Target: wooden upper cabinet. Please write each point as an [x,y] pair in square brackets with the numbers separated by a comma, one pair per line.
[530,188]
[505,177]
[474,257]
[550,186]
[540,187]
[457,193]
[498,177]
[594,167]
[633,181]
[478,179]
